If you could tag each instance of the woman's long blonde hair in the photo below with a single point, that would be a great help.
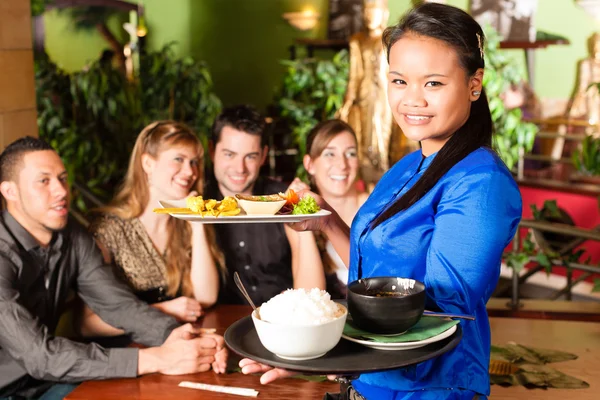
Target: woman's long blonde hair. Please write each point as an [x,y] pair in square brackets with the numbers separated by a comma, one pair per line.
[133,196]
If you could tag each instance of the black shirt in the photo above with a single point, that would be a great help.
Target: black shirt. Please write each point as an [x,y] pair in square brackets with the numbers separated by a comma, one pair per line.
[34,285]
[260,253]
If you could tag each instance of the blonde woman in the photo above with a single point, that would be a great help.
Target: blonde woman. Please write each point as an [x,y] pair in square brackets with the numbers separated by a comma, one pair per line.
[169,263]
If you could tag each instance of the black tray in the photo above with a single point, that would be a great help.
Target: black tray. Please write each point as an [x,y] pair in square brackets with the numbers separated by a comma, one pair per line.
[344,359]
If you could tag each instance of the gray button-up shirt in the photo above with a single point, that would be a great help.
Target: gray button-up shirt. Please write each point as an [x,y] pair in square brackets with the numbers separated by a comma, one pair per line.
[34,285]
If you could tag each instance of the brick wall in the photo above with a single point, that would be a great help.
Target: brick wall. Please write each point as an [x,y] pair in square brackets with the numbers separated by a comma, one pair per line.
[17,90]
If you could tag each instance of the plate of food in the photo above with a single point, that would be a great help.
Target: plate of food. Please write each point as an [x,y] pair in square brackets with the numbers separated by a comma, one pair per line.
[302,331]
[269,208]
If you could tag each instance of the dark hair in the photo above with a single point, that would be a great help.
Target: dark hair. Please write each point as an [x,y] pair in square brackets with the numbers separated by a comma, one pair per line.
[323,133]
[243,118]
[12,155]
[459,30]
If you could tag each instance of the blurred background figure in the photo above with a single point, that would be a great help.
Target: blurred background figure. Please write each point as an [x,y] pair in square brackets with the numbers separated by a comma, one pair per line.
[513,20]
[521,95]
[585,103]
[366,109]
[345,18]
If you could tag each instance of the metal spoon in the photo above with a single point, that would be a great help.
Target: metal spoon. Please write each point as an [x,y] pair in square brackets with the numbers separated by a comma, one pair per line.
[446,315]
[240,285]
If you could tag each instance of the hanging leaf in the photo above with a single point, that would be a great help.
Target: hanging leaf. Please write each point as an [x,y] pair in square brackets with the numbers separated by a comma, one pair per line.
[552,208]
[517,261]
[544,261]
[596,287]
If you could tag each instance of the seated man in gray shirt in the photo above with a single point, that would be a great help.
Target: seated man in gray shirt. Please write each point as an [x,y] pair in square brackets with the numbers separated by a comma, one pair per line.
[43,255]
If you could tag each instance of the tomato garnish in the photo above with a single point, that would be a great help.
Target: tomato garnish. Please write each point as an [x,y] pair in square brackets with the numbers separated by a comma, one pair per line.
[290,196]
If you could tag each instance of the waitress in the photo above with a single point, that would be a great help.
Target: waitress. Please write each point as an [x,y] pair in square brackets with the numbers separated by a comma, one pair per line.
[441,215]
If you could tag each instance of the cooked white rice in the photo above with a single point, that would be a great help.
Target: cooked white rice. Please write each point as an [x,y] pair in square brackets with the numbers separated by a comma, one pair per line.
[300,307]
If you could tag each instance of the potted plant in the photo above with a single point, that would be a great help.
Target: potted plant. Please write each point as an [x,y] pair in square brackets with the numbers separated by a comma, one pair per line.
[586,159]
[311,92]
[512,135]
[92,117]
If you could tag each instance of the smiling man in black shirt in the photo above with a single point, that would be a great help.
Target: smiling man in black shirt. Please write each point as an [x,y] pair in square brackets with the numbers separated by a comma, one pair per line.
[44,255]
[269,257]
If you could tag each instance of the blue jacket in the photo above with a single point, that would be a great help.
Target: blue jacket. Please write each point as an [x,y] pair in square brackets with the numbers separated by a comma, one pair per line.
[452,240]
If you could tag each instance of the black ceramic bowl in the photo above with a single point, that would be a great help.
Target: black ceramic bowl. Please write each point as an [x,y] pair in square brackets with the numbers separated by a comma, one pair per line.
[386,305]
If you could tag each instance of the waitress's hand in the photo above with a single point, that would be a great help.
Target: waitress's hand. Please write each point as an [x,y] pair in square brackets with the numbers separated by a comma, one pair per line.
[315,224]
[271,374]
[297,185]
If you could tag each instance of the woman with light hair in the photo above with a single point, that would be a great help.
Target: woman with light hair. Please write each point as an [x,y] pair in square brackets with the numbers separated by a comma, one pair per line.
[168,262]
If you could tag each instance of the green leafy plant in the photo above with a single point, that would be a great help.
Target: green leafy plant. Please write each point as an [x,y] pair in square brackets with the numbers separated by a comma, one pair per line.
[74,130]
[587,157]
[179,89]
[550,212]
[528,251]
[517,259]
[511,133]
[92,117]
[312,91]
[39,6]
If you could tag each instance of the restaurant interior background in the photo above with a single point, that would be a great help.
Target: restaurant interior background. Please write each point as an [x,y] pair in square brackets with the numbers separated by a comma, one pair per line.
[231,52]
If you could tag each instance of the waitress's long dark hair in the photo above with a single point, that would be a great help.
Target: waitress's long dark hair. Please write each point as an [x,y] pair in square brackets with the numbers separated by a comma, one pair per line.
[460,31]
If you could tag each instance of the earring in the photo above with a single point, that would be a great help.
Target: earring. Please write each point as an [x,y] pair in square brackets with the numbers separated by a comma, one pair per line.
[476,92]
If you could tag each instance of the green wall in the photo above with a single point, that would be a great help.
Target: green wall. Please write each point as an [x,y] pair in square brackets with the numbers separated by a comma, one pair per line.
[243,40]
[556,66]
[72,49]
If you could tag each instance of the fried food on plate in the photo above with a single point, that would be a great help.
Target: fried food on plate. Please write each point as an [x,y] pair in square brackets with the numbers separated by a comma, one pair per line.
[206,208]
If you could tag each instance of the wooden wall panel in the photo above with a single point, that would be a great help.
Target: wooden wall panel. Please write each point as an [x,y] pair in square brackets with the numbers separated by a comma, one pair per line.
[15,24]
[17,90]
[18,116]
[16,124]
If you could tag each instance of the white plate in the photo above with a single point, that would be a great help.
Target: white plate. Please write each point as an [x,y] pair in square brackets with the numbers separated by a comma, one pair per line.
[241,218]
[402,345]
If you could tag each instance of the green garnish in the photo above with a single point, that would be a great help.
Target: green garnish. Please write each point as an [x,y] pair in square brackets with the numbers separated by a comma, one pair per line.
[308,205]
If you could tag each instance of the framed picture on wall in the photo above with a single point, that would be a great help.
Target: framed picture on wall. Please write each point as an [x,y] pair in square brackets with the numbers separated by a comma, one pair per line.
[345,18]
[513,19]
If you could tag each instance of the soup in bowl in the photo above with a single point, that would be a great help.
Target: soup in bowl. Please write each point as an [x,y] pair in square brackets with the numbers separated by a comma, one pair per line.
[260,205]
[386,305]
[300,324]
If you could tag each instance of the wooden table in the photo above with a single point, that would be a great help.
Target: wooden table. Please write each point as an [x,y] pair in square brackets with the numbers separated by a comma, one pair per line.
[581,338]
[161,387]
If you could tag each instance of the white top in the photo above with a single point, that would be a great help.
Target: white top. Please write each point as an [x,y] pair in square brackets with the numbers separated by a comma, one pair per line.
[340,268]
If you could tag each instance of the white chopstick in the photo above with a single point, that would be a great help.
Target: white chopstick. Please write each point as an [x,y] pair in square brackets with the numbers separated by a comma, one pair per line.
[221,389]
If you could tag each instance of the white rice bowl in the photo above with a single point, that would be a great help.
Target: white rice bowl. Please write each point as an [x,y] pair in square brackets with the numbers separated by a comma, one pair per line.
[300,324]
[300,307]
